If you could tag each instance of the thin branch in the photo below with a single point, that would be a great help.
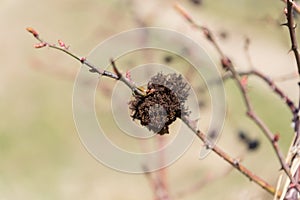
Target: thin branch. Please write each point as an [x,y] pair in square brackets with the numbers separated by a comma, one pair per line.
[291,6]
[92,68]
[228,66]
[233,162]
[290,104]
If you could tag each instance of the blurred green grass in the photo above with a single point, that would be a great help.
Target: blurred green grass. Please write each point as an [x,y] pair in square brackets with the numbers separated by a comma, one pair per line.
[41,156]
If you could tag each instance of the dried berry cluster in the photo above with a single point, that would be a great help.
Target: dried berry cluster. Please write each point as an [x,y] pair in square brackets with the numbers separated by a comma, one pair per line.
[163,102]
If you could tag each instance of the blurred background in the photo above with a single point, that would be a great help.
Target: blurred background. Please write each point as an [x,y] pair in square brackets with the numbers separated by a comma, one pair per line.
[41,156]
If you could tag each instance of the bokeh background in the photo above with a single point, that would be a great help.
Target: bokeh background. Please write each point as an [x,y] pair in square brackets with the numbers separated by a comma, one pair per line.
[41,156]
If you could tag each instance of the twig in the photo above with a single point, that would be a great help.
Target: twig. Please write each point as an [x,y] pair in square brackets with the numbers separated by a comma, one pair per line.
[92,68]
[291,26]
[271,84]
[233,162]
[293,157]
[228,66]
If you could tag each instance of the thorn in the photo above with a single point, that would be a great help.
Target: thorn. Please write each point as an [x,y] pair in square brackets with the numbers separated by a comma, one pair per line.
[284,24]
[93,70]
[208,34]
[281,168]
[83,59]
[183,12]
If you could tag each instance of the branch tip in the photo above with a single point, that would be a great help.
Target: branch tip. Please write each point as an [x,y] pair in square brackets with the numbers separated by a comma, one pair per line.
[276,138]
[226,63]
[284,24]
[32,31]
[183,12]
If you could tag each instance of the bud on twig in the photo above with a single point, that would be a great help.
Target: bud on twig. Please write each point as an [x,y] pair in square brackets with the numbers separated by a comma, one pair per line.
[32,31]
[40,45]
[244,81]
[226,63]
[276,138]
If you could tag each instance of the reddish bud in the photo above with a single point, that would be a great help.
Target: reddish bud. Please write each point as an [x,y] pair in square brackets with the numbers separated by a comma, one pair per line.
[40,45]
[61,43]
[276,138]
[32,31]
[244,81]
[226,63]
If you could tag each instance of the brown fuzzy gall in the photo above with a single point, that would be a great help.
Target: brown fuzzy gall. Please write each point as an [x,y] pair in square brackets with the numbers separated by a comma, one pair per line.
[163,102]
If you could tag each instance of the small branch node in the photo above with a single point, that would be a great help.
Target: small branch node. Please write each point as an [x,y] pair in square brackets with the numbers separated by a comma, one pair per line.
[82,59]
[93,70]
[226,63]
[284,24]
[250,113]
[183,12]
[208,145]
[236,163]
[208,34]
[276,138]
[116,70]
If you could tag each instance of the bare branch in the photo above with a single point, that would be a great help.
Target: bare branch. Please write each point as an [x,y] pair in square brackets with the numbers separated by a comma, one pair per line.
[92,68]
[228,66]
[233,162]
